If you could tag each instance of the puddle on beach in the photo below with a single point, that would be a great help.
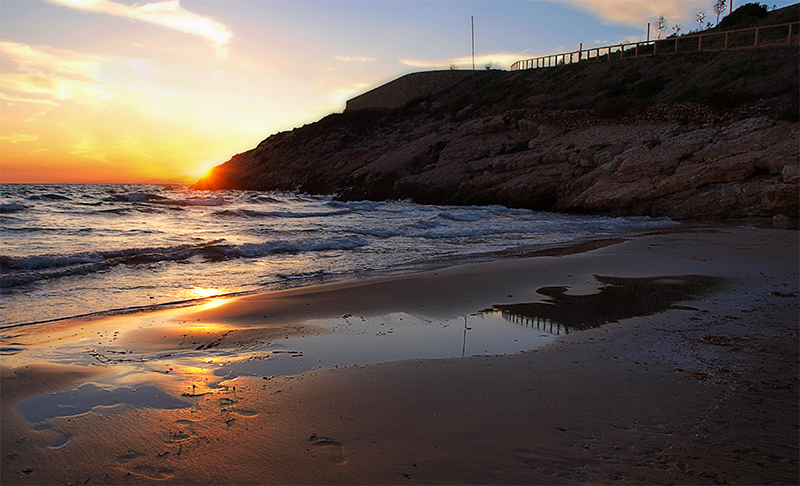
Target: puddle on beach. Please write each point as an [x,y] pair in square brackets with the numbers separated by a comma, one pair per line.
[162,380]
[89,396]
[503,329]
[618,298]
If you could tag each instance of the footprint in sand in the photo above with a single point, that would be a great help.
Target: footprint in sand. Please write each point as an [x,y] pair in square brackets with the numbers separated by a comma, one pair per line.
[146,470]
[152,472]
[129,456]
[333,449]
[243,412]
[60,442]
[183,434]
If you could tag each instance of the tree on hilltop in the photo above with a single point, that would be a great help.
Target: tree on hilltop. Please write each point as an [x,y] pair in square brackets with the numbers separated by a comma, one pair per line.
[719,7]
[661,24]
[699,17]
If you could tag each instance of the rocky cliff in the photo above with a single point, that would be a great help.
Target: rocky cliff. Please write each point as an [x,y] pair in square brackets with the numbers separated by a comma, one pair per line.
[703,135]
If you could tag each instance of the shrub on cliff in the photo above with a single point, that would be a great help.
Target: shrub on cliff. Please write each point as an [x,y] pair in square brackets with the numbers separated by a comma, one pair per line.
[748,15]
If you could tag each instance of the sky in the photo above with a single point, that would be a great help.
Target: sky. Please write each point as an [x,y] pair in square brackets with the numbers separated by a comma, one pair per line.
[121,91]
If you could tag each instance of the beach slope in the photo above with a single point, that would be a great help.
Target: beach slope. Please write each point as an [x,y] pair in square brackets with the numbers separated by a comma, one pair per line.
[697,386]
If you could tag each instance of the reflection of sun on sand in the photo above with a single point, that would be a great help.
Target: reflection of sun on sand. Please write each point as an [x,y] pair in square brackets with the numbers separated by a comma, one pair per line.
[672,397]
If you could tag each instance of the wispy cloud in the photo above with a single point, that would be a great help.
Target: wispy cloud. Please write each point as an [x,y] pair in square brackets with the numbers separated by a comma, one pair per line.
[19,137]
[497,60]
[50,59]
[18,99]
[354,58]
[168,14]
[638,12]
[48,72]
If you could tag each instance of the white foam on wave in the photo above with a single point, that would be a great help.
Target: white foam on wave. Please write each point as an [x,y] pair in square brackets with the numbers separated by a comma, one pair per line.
[252,250]
[466,217]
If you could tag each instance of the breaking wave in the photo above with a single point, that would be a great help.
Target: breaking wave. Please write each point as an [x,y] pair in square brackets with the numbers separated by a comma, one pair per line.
[23,270]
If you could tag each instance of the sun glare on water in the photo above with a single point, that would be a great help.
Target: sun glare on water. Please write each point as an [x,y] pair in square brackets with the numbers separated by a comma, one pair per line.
[201,292]
[207,293]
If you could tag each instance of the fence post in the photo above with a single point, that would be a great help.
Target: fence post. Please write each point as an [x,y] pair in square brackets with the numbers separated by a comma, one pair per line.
[726,40]
[756,44]
[655,48]
[699,43]
[676,43]
[789,39]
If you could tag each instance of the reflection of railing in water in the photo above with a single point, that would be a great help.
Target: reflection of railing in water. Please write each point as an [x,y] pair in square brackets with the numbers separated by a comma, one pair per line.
[619,298]
[767,35]
[540,323]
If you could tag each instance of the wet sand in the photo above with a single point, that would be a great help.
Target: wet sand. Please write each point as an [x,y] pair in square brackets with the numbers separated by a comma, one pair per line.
[704,391]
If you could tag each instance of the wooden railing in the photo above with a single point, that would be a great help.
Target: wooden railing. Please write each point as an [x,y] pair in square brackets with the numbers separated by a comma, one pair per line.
[769,35]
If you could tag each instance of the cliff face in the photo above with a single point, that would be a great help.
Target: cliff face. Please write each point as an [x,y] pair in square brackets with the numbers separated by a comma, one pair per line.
[709,135]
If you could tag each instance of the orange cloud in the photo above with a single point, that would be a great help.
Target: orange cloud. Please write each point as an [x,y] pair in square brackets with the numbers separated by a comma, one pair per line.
[637,12]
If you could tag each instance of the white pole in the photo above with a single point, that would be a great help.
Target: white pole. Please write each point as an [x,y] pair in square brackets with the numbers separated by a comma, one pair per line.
[472,24]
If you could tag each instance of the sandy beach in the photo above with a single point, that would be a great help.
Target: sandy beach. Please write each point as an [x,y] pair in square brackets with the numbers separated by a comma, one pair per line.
[670,358]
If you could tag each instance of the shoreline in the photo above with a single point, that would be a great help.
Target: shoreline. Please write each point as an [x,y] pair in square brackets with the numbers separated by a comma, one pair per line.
[702,392]
[417,267]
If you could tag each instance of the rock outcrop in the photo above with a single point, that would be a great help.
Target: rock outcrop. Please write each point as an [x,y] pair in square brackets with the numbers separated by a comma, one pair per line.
[585,138]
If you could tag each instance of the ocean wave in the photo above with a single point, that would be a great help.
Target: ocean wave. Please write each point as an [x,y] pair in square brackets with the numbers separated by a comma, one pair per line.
[197,201]
[263,199]
[377,232]
[356,205]
[147,209]
[135,197]
[249,213]
[48,197]
[27,269]
[13,208]
[131,255]
[252,250]
[464,217]
[425,223]
[143,197]
[37,229]
[302,276]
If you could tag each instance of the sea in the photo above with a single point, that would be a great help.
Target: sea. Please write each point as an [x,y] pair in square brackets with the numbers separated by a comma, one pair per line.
[73,250]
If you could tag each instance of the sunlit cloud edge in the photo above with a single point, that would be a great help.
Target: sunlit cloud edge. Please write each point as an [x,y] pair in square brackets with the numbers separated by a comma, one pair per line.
[168,14]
